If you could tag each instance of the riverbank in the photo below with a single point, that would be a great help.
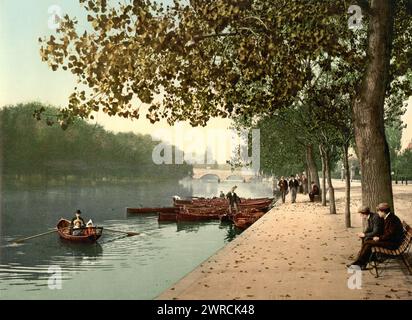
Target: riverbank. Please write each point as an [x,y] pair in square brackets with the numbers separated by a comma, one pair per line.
[297,251]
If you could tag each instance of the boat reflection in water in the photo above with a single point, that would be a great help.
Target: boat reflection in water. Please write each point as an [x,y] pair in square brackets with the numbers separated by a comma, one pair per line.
[81,252]
[22,266]
[231,231]
[189,227]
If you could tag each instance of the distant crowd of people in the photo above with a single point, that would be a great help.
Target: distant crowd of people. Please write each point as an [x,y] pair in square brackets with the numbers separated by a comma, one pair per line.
[294,185]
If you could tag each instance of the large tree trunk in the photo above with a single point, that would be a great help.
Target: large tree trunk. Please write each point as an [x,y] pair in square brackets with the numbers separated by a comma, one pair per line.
[347,185]
[307,178]
[312,165]
[368,109]
[323,191]
[331,189]
[308,175]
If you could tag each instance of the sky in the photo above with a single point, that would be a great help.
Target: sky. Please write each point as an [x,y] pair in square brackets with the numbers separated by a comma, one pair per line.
[24,77]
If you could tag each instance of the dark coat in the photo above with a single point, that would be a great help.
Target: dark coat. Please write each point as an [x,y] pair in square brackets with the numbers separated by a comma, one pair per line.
[80,218]
[315,190]
[293,184]
[232,198]
[374,227]
[283,185]
[392,229]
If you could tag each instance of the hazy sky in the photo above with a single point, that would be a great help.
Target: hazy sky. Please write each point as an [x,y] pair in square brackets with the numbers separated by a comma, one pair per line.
[24,78]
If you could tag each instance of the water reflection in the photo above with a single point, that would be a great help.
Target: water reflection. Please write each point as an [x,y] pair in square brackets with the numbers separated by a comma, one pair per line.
[189,226]
[231,231]
[27,267]
[80,251]
[145,264]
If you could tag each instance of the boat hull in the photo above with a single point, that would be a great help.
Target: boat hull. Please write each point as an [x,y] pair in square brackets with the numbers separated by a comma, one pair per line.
[152,210]
[167,217]
[91,234]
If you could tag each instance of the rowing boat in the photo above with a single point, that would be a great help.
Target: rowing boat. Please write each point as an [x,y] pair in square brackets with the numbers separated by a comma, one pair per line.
[89,234]
[164,216]
[221,202]
[152,210]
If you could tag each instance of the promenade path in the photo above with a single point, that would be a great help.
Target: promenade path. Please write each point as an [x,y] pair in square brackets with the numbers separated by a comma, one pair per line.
[297,251]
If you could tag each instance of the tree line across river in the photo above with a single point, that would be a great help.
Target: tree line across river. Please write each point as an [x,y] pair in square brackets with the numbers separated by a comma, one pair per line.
[31,147]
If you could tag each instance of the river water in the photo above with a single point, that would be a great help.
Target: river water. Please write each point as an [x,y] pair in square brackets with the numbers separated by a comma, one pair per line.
[117,267]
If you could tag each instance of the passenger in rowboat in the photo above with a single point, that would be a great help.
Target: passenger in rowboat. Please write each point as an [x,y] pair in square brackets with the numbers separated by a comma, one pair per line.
[77,222]
[77,228]
[89,228]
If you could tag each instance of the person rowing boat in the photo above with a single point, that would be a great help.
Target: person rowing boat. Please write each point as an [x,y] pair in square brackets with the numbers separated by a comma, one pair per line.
[77,223]
[78,218]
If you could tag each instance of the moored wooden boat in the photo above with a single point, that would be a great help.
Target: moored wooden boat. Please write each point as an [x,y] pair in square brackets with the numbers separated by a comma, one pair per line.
[152,210]
[90,234]
[165,216]
[199,214]
[221,202]
[184,216]
[225,204]
[243,222]
[246,218]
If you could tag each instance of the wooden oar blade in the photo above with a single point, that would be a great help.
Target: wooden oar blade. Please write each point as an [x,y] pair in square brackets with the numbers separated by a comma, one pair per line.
[128,233]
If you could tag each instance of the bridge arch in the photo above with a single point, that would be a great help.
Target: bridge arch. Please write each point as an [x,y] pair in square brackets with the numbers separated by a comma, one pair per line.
[210,177]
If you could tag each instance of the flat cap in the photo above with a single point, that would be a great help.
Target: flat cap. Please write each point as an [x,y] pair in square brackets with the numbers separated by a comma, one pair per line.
[364,210]
[383,206]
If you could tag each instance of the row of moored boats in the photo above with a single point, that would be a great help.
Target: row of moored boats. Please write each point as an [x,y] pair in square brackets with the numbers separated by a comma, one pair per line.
[205,209]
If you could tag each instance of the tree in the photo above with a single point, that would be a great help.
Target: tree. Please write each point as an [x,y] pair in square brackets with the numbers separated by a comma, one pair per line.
[83,149]
[224,58]
[204,58]
[331,118]
[282,151]
[368,108]
[405,164]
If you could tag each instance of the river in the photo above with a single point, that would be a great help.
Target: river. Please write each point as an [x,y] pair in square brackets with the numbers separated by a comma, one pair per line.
[117,267]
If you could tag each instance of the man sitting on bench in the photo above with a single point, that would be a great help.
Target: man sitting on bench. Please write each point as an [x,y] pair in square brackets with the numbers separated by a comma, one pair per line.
[374,226]
[314,192]
[391,238]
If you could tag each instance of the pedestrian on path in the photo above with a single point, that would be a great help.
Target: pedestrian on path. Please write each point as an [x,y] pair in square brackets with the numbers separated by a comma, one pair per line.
[293,186]
[283,188]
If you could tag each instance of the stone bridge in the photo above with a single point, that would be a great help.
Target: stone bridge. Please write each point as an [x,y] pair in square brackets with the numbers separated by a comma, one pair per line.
[220,175]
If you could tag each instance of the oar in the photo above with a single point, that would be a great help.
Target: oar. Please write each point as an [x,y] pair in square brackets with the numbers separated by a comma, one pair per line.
[32,237]
[129,234]
[37,235]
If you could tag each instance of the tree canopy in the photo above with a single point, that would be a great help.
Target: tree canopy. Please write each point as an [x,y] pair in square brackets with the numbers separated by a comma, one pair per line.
[198,59]
[202,58]
[32,147]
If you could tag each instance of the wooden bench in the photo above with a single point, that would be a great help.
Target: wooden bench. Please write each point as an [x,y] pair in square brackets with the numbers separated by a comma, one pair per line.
[317,198]
[383,255]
